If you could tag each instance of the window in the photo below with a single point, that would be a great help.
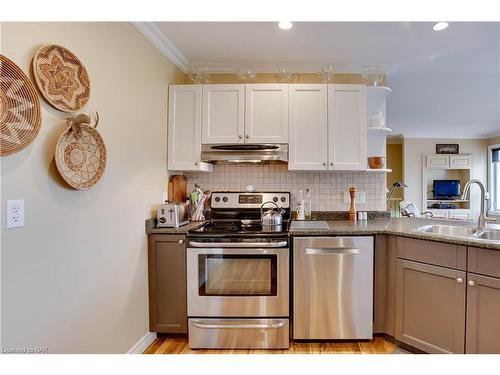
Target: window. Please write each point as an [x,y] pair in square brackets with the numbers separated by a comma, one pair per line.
[494,178]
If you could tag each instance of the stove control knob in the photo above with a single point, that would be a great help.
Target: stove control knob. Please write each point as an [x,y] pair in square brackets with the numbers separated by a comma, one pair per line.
[275,199]
[217,199]
[224,199]
[283,199]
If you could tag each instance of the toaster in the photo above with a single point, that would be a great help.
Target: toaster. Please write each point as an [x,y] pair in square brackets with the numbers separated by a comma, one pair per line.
[172,215]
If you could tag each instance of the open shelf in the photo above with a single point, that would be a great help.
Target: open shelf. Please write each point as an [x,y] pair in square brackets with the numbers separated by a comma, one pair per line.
[449,200]
[379,130]
[378,170]
[380,89]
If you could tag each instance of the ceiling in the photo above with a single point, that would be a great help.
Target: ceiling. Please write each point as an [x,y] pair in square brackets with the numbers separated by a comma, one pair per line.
[445,84]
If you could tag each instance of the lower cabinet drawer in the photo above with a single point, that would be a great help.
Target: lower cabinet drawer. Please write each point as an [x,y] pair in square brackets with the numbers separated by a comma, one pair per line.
[239,333]
[484,261]
[432,252]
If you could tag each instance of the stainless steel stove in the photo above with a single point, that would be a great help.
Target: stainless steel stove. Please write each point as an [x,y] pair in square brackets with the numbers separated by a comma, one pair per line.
[238,275]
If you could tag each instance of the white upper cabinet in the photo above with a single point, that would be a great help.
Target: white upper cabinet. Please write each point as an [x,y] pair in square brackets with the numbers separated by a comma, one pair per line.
[438,161]
[308,124]
[223,113]
[461,161]
[347,130]
[266,113]
[184,128]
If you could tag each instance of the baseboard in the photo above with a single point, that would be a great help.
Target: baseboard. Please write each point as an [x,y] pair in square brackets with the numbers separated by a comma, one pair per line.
[141,345]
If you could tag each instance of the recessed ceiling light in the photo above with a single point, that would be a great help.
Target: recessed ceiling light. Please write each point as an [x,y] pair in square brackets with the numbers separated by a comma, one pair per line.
[285,25]
[440,26]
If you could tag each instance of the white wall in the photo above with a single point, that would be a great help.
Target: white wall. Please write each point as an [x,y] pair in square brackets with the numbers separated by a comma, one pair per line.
[415,148]
[74,279]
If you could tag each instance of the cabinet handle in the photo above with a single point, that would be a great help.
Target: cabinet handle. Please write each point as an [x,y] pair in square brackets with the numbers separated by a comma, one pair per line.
[331,164]
[240,136]
[472,283]
[181,242]
[460,280]
[195,163]
[247,136]
[324,164]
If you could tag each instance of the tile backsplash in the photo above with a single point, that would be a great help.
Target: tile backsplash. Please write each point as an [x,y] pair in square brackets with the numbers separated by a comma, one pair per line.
[327,188]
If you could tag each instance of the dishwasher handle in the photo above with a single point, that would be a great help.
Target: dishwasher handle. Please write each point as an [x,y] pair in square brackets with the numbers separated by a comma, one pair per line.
[341,250]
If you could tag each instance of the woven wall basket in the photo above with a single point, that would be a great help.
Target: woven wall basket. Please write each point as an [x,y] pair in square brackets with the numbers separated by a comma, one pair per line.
[81,156]
[61,78]
[20,116]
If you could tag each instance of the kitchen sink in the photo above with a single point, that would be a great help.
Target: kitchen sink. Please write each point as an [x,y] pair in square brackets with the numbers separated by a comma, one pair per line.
[448,230]
[488,234]
[464,232]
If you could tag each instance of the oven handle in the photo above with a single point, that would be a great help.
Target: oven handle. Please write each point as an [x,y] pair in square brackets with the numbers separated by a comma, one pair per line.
[236,325]
[237,244]
[331,250]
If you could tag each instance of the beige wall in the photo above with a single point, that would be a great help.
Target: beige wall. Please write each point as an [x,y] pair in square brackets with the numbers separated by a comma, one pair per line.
[395,162]
[74,279]
[415,148]
[494,141]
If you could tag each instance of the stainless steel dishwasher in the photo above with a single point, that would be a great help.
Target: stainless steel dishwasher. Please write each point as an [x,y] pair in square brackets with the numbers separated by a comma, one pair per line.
[333,288]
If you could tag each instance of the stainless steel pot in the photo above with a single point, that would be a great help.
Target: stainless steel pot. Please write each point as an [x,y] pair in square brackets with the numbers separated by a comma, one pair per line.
[272,216]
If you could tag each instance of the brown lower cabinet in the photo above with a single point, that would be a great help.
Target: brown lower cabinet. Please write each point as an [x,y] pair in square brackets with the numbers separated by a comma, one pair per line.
[483,314]
[443,303]
[167,283]
[423,295]
[430,307]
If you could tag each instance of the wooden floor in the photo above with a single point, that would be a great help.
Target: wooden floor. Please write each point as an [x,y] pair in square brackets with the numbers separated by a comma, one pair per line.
[179,345]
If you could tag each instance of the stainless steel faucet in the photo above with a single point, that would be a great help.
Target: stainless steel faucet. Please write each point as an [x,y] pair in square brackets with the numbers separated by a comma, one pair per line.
[483,218]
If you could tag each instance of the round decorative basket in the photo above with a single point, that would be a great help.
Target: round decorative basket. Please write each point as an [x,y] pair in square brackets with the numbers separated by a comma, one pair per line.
[20,115]
[81,156]
[61,78]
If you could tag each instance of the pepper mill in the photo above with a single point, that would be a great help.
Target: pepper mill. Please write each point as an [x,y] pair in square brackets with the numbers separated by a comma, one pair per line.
[352,208]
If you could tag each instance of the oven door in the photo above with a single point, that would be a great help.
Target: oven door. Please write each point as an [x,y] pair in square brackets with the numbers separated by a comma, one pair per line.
[237,282]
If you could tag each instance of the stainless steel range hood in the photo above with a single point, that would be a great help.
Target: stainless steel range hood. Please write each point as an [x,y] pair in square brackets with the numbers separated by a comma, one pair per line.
[244,153]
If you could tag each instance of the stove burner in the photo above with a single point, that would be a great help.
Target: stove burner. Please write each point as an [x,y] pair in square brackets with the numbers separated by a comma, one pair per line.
[239,227]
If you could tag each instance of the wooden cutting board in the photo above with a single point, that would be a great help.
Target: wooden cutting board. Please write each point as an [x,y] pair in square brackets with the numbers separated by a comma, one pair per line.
[179,189]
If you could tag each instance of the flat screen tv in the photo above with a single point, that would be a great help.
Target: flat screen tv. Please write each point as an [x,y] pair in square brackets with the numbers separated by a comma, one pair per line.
[446,189]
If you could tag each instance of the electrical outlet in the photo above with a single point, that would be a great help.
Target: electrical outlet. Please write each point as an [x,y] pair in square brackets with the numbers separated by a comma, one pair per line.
[15,213]
[360,197]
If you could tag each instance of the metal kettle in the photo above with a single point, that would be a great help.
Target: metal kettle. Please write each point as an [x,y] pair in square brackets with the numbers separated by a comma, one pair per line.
[271,216]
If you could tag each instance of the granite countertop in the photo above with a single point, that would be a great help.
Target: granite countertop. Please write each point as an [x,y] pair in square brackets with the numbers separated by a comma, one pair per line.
[405,227]
[152,229]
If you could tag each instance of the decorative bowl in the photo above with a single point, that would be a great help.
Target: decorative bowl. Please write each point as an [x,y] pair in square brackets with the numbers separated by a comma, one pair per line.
[376,162]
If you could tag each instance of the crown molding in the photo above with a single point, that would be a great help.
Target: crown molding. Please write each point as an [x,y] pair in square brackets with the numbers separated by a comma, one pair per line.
[160,41]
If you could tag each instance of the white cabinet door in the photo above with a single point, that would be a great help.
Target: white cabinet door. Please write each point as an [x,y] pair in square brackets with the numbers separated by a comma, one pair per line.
[266,118]
[438,161]
[347,127]
[223,113]
[463,161]
[184,128]
[308,122]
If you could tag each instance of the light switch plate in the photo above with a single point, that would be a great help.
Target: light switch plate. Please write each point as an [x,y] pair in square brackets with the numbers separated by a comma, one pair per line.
[15,213]
[360,197]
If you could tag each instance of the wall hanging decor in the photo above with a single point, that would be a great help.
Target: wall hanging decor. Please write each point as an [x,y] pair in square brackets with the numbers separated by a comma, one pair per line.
[447,148]
[61,78]
[20,116]
[81,153]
